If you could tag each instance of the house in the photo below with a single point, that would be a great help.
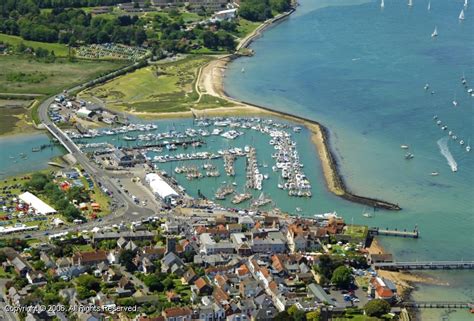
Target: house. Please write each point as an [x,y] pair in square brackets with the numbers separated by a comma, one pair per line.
[220,295]
[144,264]
[35,277]
[48,262]
[122,159]
[69,272]
[247,306]
[128,236]
[171,227]
[316,292]
[247,222]
[90,258]
[171,263]
[237,317]
[234,228]
[228,14]
[249,288]
[201,287]
[208,5]
[268,245]
[172,296]
[380,288]
[20,265]
[177,314]
[189,276]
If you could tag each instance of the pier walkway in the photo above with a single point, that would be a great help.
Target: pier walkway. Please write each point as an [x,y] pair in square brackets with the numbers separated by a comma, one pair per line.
[438,304]
[395,232]
[426,265]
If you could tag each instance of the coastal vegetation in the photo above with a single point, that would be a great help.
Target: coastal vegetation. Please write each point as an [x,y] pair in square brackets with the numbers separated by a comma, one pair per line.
[156,88]
[14,115]
[377,308]
[23,74]
[258,10]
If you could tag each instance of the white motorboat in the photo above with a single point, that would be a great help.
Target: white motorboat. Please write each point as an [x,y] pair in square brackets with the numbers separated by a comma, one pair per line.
[461,142]
[404,146]
[434,174]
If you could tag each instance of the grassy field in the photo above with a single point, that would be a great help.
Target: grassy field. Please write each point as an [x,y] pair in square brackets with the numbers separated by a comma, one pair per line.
[356,231]
[60,50]
[157,88]
[22,75]
[246,27]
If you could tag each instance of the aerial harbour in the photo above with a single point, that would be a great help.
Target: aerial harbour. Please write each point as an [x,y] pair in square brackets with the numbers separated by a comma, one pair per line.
[328,168]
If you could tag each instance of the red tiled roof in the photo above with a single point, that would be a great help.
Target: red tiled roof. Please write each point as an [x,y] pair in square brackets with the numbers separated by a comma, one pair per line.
[200,283]
[177,311]
[87,257]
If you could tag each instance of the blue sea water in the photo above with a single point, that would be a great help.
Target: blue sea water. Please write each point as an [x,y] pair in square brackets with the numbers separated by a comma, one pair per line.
[360,70]
[17,157]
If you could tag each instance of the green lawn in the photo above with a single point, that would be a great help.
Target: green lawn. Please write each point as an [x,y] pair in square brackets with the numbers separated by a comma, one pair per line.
[356,231]
[20,74]
[60,50]
[156,88]
[246,27]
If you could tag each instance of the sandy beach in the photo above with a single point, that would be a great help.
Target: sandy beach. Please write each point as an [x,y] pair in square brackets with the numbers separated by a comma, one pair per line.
[405,281]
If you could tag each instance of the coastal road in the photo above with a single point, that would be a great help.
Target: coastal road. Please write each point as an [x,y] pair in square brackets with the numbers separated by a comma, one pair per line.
[123,208]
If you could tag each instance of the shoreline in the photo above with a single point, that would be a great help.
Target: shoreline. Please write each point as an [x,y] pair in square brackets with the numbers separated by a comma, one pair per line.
[210,81]
[405,281]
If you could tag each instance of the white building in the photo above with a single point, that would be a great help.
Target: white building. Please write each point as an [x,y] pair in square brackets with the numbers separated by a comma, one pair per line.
[160,187]
[38,205]
[228,14]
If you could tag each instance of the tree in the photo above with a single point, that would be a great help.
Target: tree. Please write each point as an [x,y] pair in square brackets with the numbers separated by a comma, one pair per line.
[280,5]
[210,39]
[38,180]
[296,314]
[153,282]
[78,193]
[140,37]
[282,316]
[377,308]
[255,10]
[126,259]
[313,315]
[88,282]
[342,277]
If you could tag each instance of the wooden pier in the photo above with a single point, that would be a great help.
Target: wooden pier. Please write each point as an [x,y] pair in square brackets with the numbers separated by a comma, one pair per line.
[438,304]
[373,231]
[425,265]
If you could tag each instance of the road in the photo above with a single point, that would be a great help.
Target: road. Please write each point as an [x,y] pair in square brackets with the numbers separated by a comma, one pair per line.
[123,208]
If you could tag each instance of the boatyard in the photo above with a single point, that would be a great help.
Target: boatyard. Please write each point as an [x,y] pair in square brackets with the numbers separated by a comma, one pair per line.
[197,155]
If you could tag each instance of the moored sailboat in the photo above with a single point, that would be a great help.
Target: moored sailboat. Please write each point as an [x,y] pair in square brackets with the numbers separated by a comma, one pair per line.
[435,32]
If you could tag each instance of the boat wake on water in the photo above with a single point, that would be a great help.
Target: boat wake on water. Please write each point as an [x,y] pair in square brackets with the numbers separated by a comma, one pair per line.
[443,147]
